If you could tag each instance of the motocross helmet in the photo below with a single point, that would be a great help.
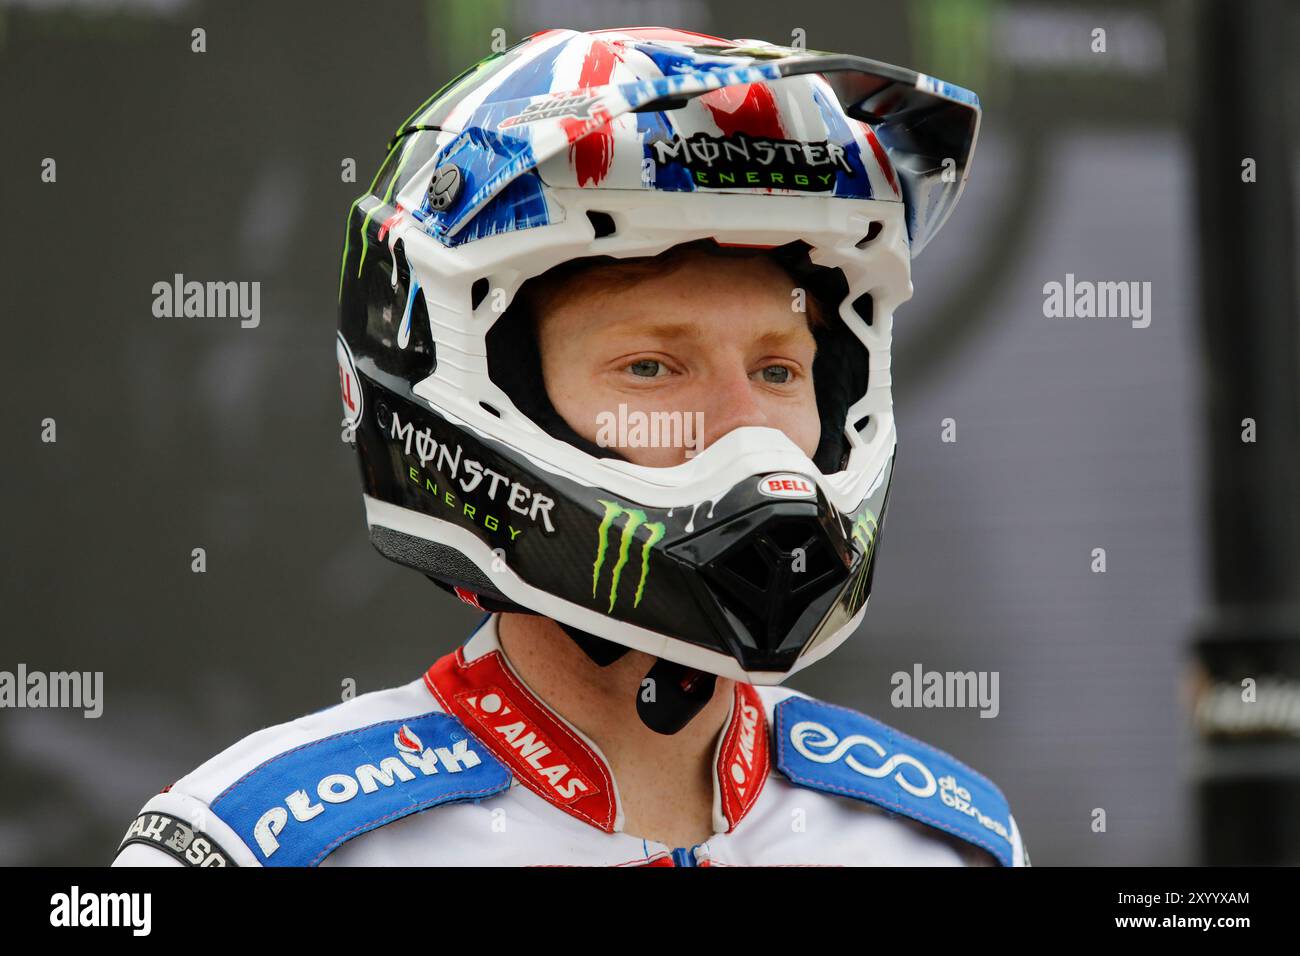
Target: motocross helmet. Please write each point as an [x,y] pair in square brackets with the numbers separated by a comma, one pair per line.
[750,560]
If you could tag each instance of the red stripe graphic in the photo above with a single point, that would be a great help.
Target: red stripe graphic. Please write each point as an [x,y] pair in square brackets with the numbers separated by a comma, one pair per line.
[592,155]
[881,156]
[748,108]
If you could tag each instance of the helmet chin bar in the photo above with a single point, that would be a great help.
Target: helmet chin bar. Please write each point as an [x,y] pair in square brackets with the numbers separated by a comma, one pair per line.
[681,583]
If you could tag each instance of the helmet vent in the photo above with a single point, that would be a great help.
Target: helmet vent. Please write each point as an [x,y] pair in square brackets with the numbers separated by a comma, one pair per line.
[872,231]
[602,223]
[866,427]
[865,307]
[778,581]
[792,534]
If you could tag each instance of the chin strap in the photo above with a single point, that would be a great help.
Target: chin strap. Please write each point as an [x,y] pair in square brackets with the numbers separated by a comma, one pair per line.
[602,652]
[670,694]
[675,695]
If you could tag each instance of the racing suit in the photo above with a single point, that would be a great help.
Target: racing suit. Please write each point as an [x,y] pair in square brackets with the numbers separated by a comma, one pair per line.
[467,766]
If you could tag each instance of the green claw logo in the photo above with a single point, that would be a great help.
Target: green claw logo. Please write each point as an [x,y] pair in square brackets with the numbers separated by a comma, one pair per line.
[635,519]
[864,532]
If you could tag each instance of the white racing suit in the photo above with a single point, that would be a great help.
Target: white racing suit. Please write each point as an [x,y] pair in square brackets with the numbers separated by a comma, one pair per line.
[467,767]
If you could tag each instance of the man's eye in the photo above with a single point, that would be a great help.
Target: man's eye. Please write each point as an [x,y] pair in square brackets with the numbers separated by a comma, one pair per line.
[645,368]
[776,374]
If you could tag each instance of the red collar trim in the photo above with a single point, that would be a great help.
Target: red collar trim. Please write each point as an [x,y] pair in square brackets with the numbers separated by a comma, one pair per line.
[743,761]
[547,755]
[541,751]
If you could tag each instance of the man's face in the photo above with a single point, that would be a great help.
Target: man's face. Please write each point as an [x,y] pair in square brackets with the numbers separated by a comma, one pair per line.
[716,336]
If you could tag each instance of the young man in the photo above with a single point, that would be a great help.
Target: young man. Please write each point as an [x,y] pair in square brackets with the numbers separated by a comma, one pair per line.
[614,354]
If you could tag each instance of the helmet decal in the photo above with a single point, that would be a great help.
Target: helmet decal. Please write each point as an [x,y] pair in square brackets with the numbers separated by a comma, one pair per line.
[633,518]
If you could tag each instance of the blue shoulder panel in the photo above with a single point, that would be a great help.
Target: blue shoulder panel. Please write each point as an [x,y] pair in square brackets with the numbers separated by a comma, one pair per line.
[297,808]
[837,750]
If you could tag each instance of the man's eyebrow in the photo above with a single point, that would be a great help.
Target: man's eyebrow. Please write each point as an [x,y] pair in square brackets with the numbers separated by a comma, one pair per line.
[786,336]
[658,329]
[692,330]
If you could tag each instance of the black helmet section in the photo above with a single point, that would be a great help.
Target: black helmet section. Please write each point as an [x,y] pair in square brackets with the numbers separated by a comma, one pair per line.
[651,568]
[772,573]
[563,538]
[644,566]
[383,314]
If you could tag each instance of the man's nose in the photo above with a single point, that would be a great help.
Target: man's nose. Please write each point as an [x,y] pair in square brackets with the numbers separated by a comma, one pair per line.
[729,403]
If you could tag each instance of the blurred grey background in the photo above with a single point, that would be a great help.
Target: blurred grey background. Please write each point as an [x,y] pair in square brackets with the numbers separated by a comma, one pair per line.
[175,434]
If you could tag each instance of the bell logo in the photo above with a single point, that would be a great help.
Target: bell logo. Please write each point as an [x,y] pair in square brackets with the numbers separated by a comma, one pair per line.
[349,386]
[787,486]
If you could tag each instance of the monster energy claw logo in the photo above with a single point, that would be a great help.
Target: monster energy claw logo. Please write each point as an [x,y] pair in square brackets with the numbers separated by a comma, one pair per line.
[635,519]
[864,532]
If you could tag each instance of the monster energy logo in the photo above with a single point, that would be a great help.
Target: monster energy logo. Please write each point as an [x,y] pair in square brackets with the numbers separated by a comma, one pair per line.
[635,519]
[864,532]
